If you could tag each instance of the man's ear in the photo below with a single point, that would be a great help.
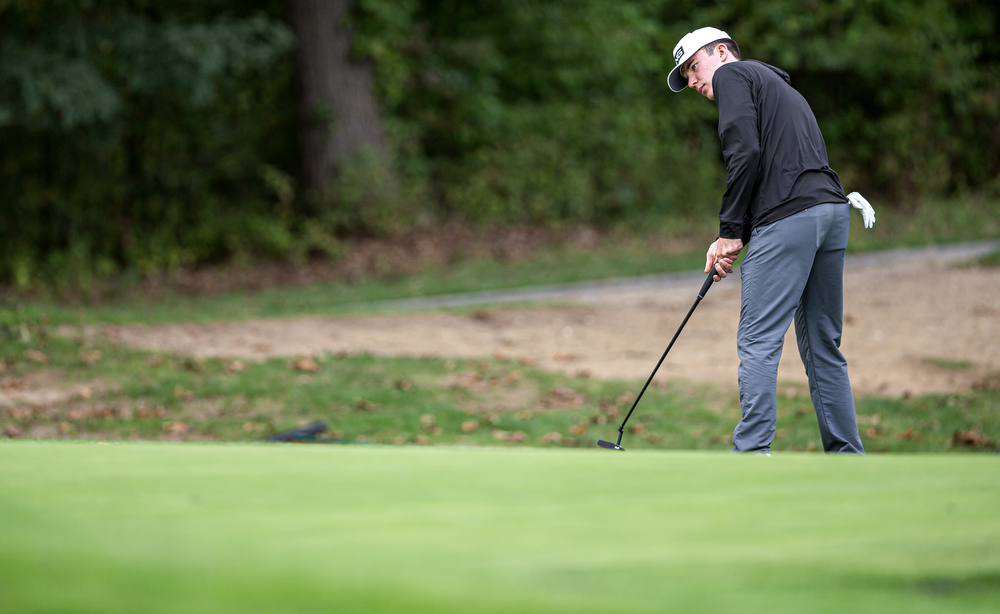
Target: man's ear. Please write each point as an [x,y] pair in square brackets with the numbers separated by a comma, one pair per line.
[723,51]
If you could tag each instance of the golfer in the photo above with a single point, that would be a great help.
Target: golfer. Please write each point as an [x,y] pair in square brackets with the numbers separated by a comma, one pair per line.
[786,206]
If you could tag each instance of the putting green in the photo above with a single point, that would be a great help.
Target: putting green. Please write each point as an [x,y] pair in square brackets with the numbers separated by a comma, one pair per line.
[189,528]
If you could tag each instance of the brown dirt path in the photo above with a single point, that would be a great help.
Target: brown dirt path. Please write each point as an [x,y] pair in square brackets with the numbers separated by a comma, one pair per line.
[912,326]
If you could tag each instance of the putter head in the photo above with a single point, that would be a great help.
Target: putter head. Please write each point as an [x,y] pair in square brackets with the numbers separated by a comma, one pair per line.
[609,445]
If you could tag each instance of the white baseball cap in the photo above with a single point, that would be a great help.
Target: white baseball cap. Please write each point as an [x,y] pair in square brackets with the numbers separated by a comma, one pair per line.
[689,45]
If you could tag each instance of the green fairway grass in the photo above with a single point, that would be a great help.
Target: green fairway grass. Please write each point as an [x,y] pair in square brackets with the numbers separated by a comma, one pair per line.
[147,527]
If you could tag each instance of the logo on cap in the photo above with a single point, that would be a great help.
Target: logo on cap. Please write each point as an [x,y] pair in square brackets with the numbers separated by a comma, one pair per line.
[678,55]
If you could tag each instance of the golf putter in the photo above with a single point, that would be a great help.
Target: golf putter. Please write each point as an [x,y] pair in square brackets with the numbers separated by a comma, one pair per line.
[621,429]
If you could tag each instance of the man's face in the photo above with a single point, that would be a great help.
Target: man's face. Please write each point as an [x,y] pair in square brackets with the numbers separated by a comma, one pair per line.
[699,70]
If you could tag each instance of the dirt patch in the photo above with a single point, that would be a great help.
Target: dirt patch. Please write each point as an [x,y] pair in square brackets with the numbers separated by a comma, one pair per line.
[911,327]
[44,388]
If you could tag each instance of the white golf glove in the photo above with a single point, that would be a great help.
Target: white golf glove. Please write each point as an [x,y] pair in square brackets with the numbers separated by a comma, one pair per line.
[861,204]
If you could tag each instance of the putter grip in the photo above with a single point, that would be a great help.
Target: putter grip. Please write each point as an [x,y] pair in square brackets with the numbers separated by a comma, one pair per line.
[708,283]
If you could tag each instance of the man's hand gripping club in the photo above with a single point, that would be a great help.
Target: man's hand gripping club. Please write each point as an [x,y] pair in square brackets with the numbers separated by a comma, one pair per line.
[723,253]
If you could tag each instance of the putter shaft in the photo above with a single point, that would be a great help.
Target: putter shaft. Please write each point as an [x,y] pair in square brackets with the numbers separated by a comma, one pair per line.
[701,294]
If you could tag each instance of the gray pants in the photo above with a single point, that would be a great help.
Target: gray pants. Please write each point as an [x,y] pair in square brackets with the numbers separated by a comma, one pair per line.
[795,266]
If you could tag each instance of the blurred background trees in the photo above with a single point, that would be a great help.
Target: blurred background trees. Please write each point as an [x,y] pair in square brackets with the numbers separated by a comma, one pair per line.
[137,136]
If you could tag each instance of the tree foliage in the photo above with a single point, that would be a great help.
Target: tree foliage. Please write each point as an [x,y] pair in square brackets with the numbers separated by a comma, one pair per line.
[140,135]
[135,134]
[554,110]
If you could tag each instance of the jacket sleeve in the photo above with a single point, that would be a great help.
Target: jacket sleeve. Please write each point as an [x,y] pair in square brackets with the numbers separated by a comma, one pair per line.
[738,131]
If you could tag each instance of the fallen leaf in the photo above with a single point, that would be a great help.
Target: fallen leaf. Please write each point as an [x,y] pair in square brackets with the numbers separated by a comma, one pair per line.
[235,366]
[36,356]
[404,384]
[512,377]
[499,434]
[610,410]
[175,428]
[560,397]
[907,434]
[428,419]
[489,417]
[517,436]
[552,437]
[180,393]
[155,360]
[467,380]
[104,412]
[86,392]
[156,412]
[365,405]
[305,364]
[579,429]
[637,428]
[90,357]
[564,356]
[470,426]
[527,361]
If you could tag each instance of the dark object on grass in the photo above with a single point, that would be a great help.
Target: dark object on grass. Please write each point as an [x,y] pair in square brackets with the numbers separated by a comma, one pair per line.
[299,435]
[701,295]
[970,438]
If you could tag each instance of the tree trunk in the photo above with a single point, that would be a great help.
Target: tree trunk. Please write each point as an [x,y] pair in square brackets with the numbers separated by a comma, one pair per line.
[338,113]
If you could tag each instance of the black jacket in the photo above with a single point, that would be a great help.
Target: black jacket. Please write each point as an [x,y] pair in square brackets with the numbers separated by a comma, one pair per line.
[776,162]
